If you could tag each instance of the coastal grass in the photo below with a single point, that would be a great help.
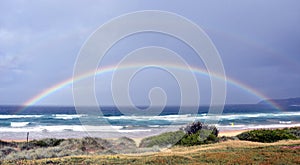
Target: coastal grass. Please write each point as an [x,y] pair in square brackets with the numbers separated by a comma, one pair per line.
[163,140]
[255,146]
[53,148]
[229,152]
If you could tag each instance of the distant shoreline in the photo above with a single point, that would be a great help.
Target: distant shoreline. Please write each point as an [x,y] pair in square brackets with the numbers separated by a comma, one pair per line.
[16,136]
[227,133]
[136,139]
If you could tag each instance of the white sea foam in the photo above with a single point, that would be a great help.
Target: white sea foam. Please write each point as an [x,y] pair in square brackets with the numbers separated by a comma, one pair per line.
[19,127]
[19,116]
[67,116]
[190,118]
[285,122]
[156,122]
[18,124]
[255,126]
[154,126]
[142,118]
[273,126]
[60,128]
[296,105]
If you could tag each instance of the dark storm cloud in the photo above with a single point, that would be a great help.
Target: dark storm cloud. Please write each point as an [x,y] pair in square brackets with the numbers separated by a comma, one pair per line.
[257,40]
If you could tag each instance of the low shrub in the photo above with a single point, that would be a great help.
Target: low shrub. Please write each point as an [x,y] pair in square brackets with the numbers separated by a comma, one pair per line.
[47,142]
[198,133]
[195,133]
[226,138]
[124,145]
[7,144]
[267,135]
[294,130]
[203,136]
[162,140]
[6,151]
[194,127]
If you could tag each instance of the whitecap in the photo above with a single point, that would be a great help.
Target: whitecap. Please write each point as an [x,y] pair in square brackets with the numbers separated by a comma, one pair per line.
[19,116]
[19,124]
[67,116]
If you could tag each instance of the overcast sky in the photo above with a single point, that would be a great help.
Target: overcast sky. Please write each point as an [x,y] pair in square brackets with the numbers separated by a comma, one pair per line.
[258,41]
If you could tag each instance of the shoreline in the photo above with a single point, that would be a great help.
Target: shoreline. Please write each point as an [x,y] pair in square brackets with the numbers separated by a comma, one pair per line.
[136,138]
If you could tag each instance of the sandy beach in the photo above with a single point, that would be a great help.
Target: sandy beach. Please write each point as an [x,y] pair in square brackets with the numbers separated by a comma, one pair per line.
[138,140]
[231,132]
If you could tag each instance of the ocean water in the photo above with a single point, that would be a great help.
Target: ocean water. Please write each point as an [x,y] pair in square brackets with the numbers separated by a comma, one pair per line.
[65,122]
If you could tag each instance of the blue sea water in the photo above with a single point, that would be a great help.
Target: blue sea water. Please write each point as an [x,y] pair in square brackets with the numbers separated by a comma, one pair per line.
[65,122]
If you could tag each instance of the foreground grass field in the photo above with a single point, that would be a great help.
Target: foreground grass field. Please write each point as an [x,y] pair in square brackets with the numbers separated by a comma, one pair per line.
[228,152]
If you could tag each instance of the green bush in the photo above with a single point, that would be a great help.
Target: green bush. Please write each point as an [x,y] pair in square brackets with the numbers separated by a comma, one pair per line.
[198,133]
[197,125]
[162,140]
[7,144]
[267,135]
[294,130]
[46,142]
[203,136]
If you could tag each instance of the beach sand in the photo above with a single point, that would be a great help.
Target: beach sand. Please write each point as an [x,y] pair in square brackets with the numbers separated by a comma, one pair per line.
[231,132]
[139,139]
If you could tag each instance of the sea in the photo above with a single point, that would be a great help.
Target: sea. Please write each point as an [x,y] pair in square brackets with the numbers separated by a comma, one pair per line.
[109,122]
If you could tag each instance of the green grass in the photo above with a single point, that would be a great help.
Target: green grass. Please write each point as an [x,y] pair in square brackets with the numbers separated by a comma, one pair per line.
[162,140]
[232,152]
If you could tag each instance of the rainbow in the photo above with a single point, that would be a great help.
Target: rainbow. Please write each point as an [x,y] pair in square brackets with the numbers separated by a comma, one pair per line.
[68,82]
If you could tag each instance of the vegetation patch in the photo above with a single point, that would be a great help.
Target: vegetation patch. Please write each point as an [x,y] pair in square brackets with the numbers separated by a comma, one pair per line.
[198,138]
[162,140]
[269,135]
[88,149]
[241,152]
[197,133]
[51,142]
